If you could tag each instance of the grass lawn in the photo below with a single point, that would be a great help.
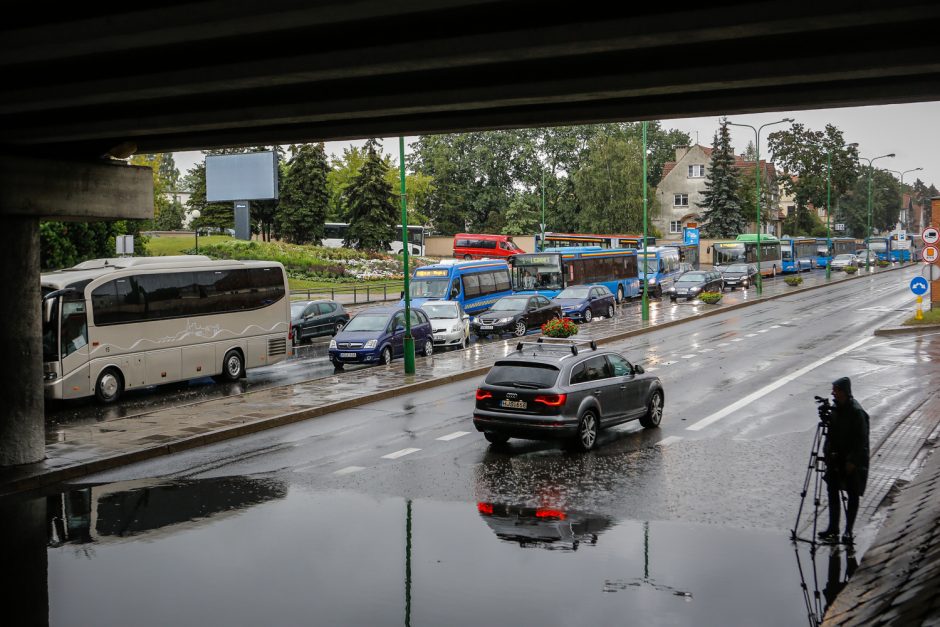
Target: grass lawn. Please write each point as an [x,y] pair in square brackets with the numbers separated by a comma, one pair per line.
[930,317]
[180,244]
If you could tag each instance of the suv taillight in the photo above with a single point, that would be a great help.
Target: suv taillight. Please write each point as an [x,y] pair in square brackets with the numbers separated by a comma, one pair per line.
[482,395]
[551,400]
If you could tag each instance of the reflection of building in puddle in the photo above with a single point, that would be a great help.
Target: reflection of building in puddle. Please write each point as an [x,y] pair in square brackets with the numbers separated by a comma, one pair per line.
[117,511]
[542,527]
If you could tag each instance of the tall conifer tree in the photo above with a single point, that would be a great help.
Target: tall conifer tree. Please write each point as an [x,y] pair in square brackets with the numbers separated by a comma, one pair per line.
[370,199]
[723,216]
[304,195]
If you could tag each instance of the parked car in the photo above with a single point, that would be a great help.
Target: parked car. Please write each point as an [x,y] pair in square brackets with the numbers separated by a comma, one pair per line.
[584,302]
[841,262]
[376,336]
[312,318]
[480,245]
[554,390]
[860,256]
[739,274]
[515,314]
[691,284]
[450,324]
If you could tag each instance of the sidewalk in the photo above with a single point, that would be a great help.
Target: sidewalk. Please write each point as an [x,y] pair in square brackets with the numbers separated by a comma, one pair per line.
[77,450]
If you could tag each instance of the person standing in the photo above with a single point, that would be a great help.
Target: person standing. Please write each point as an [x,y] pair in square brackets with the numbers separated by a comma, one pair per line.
[846,453]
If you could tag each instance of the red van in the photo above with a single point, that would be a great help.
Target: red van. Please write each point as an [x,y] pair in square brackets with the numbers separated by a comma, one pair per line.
[478,246]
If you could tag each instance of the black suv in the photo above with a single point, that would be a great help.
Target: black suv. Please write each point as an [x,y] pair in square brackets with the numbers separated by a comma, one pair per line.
[310,318]
[550,389]
[739,274]
[691,284]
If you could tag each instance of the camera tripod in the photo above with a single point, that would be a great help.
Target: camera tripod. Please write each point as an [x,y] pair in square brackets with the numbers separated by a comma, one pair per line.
[817,467]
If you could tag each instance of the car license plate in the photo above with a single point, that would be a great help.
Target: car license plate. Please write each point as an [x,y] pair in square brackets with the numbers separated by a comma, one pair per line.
[439,336]
[513,404]
[486,327]
[348,355]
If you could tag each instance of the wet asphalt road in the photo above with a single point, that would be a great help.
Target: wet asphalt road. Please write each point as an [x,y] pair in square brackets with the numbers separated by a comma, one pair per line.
[399,513]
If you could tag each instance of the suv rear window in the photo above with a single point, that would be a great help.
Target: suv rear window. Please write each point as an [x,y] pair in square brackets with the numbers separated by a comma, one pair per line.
[514,374]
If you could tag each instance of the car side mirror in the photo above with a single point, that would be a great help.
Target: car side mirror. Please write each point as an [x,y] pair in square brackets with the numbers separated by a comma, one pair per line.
[638,369]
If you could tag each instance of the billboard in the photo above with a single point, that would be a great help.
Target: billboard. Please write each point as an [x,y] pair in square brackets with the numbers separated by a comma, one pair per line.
[249,176]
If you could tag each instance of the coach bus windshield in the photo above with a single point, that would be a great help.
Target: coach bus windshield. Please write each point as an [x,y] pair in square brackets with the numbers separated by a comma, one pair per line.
[536,272]
[429,288]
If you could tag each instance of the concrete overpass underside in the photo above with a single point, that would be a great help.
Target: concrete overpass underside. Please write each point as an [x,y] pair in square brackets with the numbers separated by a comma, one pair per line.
[84,83]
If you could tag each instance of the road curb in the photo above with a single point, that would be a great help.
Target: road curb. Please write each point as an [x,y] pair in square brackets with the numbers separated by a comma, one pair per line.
[908,330]
[31,482]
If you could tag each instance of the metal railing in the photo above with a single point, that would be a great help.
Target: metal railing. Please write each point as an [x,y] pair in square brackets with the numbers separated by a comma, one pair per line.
[355,294]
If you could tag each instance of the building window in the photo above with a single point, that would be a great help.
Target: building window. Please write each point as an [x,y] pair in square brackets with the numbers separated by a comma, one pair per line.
[675,226]
[680,200]
[696,171]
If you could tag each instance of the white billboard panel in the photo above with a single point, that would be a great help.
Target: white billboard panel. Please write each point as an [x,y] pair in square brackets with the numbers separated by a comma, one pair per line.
[250,176]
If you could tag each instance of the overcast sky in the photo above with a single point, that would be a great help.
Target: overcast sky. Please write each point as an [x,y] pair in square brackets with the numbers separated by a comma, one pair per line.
[911,131]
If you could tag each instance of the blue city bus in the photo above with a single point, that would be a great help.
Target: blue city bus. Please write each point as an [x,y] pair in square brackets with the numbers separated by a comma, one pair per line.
[659,268]
[900,248]
[798,254]
[826,249]
[881,246]
[688,253]
[476,285]
[552,270]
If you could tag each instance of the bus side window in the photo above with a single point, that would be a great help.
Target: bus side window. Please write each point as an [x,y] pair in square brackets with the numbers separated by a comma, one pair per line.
[74,327]
[455,289]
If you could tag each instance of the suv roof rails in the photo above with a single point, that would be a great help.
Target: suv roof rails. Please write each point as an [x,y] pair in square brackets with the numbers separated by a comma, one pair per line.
[563,343]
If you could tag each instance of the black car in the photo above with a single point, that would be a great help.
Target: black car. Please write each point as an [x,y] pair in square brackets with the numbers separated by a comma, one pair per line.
[516,315]
[311,318]
[554,390]
[691,284]
[739,274]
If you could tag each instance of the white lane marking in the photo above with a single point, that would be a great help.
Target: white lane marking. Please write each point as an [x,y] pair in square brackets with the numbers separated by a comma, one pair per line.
[652,369]
[751,335]
[763,330]
[348,470]
[705,350]
[670,440]
[722,344]
[776,326]
[737,339]
[750,398]
[453,436]
[688,357]
[401,453]
[668,363]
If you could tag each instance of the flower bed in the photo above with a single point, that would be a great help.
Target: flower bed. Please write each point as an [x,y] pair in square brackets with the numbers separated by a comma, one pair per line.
[850,269]
[563,327]
[794,280]
[883,263]
[710,298]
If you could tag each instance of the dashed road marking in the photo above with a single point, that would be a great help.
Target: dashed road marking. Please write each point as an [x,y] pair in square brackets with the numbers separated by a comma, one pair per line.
[401,453]
[722,344]
[668,363]
[672,439]
[751,335]
[750,398]
[776,326]
[763,330]
[652,369]
[348,470]
[737,339]
[453,436]
[688,357]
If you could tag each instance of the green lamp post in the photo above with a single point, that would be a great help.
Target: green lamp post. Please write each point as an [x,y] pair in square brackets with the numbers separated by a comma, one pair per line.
[409,343]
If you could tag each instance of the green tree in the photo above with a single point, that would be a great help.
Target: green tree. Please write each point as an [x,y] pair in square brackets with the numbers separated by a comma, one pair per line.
[170,218]
[304,195]
[609,186]
[885,204]
[723,215]
[802,152]
[370,199]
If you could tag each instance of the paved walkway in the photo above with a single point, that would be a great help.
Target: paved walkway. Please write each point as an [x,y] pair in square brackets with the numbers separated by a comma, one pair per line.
[75,450]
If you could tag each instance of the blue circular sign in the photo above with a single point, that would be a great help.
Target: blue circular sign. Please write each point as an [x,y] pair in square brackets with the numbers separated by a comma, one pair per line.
[919,285]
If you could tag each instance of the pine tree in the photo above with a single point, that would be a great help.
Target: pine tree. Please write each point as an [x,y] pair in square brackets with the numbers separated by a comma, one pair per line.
[304,195]
[370,199]
[723,216]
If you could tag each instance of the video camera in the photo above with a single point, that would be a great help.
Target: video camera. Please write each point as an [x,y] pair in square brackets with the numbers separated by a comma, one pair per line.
[825,409]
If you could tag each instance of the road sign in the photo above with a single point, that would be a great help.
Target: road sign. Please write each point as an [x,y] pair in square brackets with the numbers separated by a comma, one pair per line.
[931,235]
[931,254]
[919,285]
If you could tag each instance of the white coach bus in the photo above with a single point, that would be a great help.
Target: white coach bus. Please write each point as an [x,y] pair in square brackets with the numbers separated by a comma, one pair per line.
[111,325]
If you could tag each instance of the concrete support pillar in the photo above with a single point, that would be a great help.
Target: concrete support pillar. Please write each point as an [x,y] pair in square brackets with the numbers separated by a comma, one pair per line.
[22,421]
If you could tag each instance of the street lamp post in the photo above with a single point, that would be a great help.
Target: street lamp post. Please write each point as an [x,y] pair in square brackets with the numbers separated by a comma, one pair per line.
[194,215]
[868,231]
[901,175]
[409,341]
[645,311]
[828,206]
[757,175]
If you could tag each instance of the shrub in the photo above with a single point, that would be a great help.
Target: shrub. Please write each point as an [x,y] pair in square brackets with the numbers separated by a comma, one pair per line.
[794,280]
[850,269]
[710,297]
[883,263]
[559,328]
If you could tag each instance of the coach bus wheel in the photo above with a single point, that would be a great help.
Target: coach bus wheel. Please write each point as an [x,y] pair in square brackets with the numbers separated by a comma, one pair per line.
[109,386]
[233,368]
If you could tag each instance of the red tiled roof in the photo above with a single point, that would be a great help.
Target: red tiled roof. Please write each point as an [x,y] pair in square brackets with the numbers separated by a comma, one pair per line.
[672,164]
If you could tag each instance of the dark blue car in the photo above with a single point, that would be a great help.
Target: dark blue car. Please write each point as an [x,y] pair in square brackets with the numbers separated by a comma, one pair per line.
[586,302]
[376,335]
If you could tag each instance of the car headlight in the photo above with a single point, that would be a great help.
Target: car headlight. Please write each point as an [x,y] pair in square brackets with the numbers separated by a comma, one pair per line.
[371,343]
[652,281]
[332,343]
[505,320]
[695,289]
[671,289]
[456,328]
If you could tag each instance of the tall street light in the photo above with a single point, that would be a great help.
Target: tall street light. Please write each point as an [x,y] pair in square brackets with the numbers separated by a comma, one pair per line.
[645,309]
[828,205]
[409,341]
[868,231]
[901,174]
[757,175]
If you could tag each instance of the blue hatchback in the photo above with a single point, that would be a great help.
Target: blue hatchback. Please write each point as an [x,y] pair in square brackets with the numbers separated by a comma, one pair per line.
[586,302]
[376,335]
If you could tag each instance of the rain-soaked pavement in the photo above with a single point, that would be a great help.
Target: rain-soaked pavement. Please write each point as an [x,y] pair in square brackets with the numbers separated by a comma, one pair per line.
[397,512]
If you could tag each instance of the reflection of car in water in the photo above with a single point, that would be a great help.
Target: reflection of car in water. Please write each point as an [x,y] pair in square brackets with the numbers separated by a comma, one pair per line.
[543,527]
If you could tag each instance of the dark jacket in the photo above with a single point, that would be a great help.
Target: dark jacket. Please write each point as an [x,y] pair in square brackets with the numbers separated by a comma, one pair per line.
[847,443]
